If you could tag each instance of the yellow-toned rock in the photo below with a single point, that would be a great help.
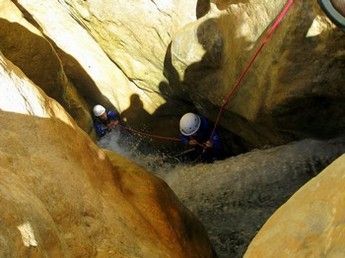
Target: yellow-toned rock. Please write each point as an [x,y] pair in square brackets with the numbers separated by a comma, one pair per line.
[178,56]
[94,74]
[311,223]
[136,34]
[28,49]
[62,197]
[19,95]
[293,90]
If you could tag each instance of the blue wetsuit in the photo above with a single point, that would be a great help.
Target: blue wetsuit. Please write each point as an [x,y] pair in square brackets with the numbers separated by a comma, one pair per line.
[101,126]
[202,136]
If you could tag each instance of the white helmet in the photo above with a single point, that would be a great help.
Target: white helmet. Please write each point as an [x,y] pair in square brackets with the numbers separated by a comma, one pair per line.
[98,110]
[189,124]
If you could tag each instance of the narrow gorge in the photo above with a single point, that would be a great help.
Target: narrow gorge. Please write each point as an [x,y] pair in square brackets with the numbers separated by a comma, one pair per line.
[66,192]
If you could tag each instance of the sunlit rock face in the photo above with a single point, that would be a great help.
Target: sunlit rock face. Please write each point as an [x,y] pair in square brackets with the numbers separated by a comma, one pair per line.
[61,196]
[155,60]
[295,88]
[136,36]
[113,51]
[94,75]
[28,49]
[18,94]
[311,223]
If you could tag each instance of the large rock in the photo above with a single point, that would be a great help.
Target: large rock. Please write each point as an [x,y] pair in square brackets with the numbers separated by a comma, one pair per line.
[114,50]
[235,197]
[28,49]
[62,197]
[95,76]
[311,223]
[155,60]
[295,89]
[136,35]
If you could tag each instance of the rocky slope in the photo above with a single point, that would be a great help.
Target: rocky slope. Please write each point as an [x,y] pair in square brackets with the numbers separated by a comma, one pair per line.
[311,223]
[235,197]
[61,196]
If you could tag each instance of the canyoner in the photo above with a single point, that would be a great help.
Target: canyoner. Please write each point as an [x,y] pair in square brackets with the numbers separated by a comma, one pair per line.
[209,147]
[195,131]
[104,120]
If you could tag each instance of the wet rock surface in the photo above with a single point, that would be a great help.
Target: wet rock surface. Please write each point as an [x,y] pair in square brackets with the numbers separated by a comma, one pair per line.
[62,196]
[293,90]
[235,197]
[154,61]
[165,58]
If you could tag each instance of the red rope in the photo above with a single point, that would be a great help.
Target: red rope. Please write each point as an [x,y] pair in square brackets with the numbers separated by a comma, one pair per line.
[264,41]
[150,135]
[226,100]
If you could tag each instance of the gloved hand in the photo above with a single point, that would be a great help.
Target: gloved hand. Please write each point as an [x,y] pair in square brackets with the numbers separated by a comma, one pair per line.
[208,144]
[112,124]
[193,142]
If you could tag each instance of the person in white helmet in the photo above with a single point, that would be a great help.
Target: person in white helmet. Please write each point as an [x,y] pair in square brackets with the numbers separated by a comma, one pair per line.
[104,120]
[196,131]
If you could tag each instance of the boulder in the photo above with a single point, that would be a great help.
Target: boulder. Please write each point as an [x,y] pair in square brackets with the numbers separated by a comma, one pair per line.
[136,34]
[28,49]
[61,196]
[95,77]
[235,197]
[310,223]
[293,90]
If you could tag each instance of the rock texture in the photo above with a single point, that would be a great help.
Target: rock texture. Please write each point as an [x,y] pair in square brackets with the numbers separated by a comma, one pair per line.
[235,197]
[136,35]
[108,52]
[28,49]
[20,95]
[155,60]
[96,77]
[295,88]
[311,223]
[62,197]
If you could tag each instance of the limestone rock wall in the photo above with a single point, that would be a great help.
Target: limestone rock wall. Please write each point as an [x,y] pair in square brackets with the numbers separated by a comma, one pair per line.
[295,88]
[310,223]
[20,95]
[28,49]
[155,60]
[61,196]
[136,36]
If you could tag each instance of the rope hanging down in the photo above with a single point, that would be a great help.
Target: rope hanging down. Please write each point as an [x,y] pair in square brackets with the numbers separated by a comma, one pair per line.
[227,98]
[264,41]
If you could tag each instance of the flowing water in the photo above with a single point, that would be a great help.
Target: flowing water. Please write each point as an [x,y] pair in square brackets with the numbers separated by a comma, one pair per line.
[233,198]
[138,150]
